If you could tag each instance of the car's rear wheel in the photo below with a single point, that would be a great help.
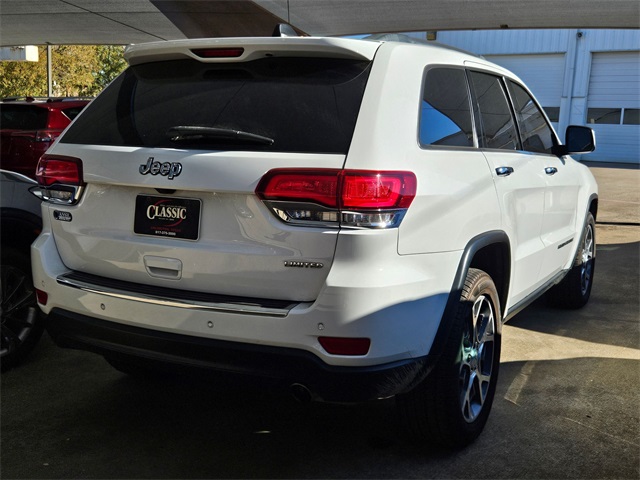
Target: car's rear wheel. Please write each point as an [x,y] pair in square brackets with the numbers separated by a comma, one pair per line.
[451,406]
[21,317]
[575,289]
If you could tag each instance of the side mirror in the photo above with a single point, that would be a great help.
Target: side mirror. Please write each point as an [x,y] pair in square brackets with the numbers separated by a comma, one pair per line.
[578,139]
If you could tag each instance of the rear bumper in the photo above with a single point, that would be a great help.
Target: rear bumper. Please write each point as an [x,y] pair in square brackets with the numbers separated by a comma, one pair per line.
[324,382]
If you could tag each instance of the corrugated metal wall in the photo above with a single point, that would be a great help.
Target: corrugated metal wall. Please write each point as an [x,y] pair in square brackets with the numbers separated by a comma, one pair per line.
[544,74]
[615,80]
[614,84]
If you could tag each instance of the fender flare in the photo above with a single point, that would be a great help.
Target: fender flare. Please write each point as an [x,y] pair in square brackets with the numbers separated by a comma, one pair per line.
[472,248]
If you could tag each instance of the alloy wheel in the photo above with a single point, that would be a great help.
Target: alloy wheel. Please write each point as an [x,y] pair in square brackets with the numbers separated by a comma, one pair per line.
[477,358]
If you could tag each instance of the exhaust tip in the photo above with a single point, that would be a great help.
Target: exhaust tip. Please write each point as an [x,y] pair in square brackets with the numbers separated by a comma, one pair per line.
[301,393]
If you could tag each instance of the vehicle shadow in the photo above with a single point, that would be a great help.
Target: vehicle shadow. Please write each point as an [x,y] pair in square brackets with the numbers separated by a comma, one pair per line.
[572,418]
[612,316]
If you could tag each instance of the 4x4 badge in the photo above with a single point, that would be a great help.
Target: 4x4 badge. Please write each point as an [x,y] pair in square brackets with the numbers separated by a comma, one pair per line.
[166,169]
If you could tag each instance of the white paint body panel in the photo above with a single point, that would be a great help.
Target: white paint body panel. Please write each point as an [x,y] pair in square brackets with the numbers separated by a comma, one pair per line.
[387,285]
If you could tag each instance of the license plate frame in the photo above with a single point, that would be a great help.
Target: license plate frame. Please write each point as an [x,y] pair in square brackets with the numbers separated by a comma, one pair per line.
[168,217]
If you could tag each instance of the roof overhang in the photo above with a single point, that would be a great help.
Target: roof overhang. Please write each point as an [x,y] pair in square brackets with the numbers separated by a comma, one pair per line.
[38,22]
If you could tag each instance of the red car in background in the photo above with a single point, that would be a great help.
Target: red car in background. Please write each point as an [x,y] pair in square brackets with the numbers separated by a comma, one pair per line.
[29,125]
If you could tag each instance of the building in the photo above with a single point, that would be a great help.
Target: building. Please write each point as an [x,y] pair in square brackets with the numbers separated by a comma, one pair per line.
[581,77]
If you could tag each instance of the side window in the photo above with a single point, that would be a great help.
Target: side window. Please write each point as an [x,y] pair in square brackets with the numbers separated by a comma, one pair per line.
[535,132]
[445,115]
[496,126]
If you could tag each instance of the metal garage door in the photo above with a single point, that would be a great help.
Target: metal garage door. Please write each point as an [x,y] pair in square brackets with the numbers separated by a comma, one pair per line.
[543,74]
[614,106]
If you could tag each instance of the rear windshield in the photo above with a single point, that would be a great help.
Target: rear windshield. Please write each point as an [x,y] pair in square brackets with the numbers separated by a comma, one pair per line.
[307,105]
[22,117]
[72,112]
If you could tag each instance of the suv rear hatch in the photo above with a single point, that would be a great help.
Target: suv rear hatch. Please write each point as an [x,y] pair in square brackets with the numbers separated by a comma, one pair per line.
[169,197]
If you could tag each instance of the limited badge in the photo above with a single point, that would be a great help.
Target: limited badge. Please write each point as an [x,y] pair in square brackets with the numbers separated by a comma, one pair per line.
[62,216]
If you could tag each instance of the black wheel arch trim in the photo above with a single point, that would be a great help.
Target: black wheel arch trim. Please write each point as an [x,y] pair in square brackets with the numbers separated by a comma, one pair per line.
[477,243]
[593,198]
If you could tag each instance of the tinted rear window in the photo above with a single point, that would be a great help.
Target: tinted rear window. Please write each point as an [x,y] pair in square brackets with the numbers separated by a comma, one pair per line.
[446,113]
[22,117]
[303,104]
[72,112]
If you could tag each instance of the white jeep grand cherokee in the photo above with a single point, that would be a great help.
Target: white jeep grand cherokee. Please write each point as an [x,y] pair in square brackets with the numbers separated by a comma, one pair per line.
[356,218]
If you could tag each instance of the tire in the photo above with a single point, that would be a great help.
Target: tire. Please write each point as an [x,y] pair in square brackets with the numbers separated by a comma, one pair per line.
[450,407]
[22,320]
[575,288]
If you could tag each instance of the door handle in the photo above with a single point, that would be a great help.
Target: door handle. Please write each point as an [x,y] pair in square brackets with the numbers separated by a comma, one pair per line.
[504,171]
[551,170]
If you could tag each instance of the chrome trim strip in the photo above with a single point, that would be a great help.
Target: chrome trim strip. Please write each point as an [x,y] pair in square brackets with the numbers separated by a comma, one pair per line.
[43,193]
[532,297]
[565,244]
[236,308]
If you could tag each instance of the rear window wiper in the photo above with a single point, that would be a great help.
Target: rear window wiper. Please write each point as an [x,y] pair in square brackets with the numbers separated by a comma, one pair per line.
[195,132]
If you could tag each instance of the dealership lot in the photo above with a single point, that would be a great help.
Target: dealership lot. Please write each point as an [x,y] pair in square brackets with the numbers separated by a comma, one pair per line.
[566,405]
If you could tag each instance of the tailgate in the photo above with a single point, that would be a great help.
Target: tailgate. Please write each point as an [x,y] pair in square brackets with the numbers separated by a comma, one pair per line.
[208,233]
[169,197]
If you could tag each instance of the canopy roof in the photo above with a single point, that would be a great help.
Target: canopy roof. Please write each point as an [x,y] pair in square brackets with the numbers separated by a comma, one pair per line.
[36,22]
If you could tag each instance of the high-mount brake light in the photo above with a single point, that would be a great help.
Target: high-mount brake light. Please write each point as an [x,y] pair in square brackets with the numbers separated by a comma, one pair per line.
[333,197]
[218,52]
[60,178]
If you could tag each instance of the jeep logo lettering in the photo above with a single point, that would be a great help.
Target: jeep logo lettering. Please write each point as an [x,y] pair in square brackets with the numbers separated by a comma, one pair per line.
[166,169]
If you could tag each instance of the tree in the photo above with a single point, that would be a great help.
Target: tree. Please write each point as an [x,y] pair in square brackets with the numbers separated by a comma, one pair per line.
[111,63]
[78,70]
[72,66]
[24,78]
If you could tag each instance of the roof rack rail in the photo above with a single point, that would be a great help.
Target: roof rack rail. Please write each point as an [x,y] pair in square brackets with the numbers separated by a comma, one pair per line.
[42,99]
[402,38]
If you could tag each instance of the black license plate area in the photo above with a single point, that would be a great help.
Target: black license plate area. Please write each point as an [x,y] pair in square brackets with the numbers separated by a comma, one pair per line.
[170,217]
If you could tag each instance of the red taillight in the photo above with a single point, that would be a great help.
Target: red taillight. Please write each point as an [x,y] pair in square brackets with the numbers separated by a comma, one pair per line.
[357,198]
[47,135]
[218,52]
[318,186]
[363,189]
[38,135]
[54,169]
[345,346]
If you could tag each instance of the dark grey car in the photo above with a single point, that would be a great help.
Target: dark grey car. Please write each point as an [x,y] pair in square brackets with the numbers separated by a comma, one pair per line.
[20,224]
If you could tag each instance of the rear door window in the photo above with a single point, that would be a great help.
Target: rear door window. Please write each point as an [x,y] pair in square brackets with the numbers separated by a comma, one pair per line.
[307,105]
[445,115]
[496,125]
[535,132]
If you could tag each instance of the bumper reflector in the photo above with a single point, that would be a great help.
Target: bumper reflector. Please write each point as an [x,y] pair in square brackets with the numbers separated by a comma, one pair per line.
[345,346]
[42,297]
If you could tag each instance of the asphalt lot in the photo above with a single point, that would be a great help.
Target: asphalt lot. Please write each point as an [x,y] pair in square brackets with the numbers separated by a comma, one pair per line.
[567,405]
